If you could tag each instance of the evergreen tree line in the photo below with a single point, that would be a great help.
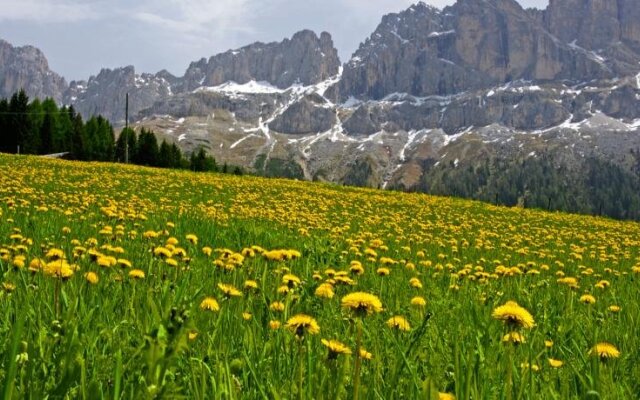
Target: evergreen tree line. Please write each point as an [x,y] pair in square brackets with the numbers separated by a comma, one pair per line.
[41,127]
[594,186]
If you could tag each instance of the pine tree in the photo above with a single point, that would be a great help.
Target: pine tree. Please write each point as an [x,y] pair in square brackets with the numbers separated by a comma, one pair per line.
[46,134]
[5,131]
[19,123]
[57,143]
[63,140]
[80,143]
[177,159]
[126,142]
[164,156]
[147,148]
[31,142]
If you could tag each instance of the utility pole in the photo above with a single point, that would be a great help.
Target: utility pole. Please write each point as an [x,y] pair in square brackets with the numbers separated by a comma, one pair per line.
[126,129]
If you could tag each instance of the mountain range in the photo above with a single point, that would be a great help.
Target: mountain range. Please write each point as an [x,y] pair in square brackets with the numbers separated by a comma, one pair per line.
[430,92]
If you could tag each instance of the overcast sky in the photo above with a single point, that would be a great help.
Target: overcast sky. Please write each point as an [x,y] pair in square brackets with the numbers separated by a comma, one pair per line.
[81,36]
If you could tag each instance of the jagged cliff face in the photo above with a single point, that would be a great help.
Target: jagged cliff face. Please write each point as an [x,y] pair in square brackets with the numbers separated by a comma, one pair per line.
[105,94]
[304,59]
[473,44]
[27,68]
[594,24]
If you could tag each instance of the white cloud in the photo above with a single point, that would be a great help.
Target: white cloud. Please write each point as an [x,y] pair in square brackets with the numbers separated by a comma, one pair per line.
[54,11]
[194,16]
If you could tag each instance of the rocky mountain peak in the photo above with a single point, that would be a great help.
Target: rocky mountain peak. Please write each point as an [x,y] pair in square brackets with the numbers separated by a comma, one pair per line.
[106,92]
[305,59]
[472,44]
[27,68]
[595,24]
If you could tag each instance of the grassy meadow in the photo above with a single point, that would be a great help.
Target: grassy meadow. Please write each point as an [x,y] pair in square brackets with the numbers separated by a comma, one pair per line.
[121,282]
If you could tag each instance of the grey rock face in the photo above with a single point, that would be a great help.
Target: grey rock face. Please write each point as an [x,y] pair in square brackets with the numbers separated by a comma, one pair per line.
[105,93]
[594,24]
[27,68]
[309,115]
[608,28]
[473,44]
[366,120]
[305,59]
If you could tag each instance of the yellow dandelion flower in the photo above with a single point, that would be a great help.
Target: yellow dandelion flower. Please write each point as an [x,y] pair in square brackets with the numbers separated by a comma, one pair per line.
[192,335]
[548,343]
[325,290]
[418,301]
[415,283]
[150,235]
[19,262]
[362,303]
[229,290]
[604,351]
[106,261]
[277,306]
[210,304]
[251,285]
[274,324]
[532,367]
[383,271]
[36,265]
[512,314]
[193,239]
[162,252]
[247,316]
[301,324]
[335,348]
[513,337]
[290,280]
[587,299]
[124,263]
[54,254]
[207,251]
[91,277]
[555,363]
[357,269]
[399,323]
[58,269]
[614,308]
[365,355]
[136,274]
[344,280]
[446,396]
[8,287]
[172,262]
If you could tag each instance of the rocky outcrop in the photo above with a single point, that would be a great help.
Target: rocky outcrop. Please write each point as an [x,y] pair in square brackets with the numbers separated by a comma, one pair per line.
[608,29]
[27,68]
[105,94]
[305,59]
[470,45]
[595,24]
[309,115]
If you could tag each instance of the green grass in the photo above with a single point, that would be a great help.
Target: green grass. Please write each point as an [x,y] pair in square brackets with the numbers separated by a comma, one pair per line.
[129,339]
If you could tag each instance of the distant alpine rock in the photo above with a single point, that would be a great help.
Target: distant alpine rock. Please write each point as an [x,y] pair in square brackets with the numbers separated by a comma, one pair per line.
[27,68]
[304,59]
[105,94]
[476,44]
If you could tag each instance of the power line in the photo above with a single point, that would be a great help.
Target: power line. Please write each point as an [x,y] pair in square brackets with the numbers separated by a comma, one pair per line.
[31,113]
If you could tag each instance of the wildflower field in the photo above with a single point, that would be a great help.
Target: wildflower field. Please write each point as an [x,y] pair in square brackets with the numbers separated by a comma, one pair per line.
[123,282]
